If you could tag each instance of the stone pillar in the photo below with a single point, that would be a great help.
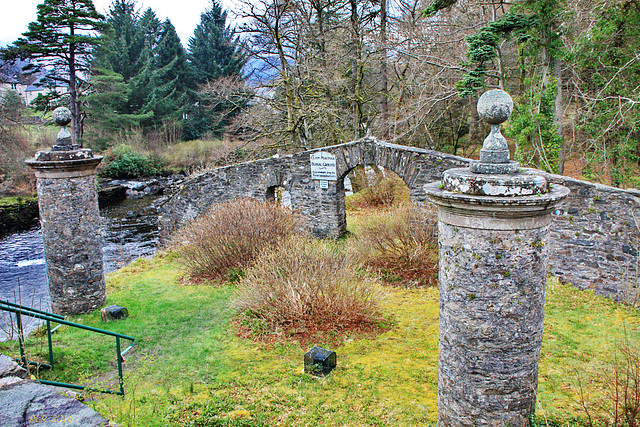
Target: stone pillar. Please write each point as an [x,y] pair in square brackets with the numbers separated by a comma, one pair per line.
[493,222]
[70,220]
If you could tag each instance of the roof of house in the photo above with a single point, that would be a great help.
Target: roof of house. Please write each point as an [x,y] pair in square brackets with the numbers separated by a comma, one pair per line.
[8,79]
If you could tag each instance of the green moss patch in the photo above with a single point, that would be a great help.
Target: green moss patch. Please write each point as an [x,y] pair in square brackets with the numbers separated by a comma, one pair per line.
[17,213]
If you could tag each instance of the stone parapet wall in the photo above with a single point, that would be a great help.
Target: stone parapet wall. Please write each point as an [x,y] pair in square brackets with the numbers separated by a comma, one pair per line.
[324,207]
[593,236]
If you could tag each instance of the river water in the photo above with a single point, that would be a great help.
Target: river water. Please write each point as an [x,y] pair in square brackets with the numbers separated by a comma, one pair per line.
[130,230]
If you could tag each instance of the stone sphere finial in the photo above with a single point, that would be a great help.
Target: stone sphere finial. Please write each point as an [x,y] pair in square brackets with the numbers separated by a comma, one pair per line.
[495,106]
[62,116]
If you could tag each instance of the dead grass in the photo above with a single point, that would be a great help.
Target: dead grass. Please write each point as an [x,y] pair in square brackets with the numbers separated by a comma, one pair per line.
[306,286]
[16,178]
[228,238]
[191,156]
[400,244]
[383,191]
[619,403]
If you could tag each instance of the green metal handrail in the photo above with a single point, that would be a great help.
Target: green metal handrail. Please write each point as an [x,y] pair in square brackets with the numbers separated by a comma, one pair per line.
[20,310]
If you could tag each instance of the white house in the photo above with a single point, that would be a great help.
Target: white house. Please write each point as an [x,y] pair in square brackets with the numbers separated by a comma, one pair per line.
[27,92]
[32,91]
[11,83]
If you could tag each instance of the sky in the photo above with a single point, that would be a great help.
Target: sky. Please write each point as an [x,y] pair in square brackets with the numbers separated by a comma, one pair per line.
[184,15]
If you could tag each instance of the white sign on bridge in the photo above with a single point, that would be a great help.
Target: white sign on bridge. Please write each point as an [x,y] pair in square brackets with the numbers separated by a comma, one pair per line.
[323,166]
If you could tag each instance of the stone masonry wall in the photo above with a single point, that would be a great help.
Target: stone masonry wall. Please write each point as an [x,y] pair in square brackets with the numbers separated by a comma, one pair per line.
[593,236]
[324,207]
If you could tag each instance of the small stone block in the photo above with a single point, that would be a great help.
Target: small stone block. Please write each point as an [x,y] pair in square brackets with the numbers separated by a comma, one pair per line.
[319,361]
[114,312]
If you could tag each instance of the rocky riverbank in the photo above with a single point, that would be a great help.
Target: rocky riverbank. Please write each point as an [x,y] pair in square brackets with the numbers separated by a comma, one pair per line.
[136,189]
[20,213]
[17,213]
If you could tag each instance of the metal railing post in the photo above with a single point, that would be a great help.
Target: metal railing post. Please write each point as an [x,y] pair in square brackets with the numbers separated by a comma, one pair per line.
[23,356]
[50,345]
[119,356]
[18,310]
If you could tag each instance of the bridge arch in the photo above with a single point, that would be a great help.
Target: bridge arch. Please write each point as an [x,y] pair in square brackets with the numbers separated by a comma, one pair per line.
[591,206]
[323,206]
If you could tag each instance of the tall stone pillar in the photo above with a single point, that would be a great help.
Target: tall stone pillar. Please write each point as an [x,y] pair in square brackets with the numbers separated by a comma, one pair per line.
[70,220]
[493,222]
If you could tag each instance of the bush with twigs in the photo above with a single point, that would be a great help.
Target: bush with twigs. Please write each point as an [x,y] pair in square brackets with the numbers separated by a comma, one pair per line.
[385,190]
[619,405]
[401,245]
[624,387]
[227,239]
[310,285]
[15,177]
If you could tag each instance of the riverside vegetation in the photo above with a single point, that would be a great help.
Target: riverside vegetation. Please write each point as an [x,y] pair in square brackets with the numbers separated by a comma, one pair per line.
[217,351]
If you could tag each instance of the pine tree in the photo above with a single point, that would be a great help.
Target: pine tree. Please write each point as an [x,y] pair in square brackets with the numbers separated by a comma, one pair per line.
[215,55]
[213,51]
[170,81]
[148,30]
[61,41]
[107,107]
[121,50]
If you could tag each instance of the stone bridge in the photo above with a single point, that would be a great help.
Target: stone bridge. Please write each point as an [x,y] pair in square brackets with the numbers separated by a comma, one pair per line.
[594,234]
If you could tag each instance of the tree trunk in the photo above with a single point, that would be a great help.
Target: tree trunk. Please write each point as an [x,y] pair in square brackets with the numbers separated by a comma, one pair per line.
[474,123]
[384,83]
[288,92]
[558,112]
[76,120]
[356,103]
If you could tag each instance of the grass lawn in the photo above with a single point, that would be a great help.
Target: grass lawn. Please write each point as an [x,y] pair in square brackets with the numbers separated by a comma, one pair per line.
[189,368]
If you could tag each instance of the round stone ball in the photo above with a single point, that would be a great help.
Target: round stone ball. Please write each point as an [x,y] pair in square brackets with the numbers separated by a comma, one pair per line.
[62,116]
[495,106]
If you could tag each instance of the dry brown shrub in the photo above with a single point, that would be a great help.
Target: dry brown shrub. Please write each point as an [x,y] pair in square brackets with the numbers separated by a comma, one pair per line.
[619,405]
[400,244]
[624,386]
[231,235]
[385,190]
[16,178]
[307,284]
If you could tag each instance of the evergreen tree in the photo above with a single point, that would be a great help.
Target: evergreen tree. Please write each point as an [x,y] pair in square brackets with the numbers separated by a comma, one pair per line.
[148,29]
[107,106]
[213,51]
[214,55]
[123,43]
[61,41]
[170,80]
[11,106]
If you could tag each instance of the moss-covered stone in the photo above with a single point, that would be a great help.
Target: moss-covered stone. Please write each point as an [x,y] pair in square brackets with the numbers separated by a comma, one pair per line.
[17,213]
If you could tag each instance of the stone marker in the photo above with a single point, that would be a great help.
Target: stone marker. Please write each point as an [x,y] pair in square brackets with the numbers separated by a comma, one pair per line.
[493,224]
[319,361]
[70,220]
[113,312]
